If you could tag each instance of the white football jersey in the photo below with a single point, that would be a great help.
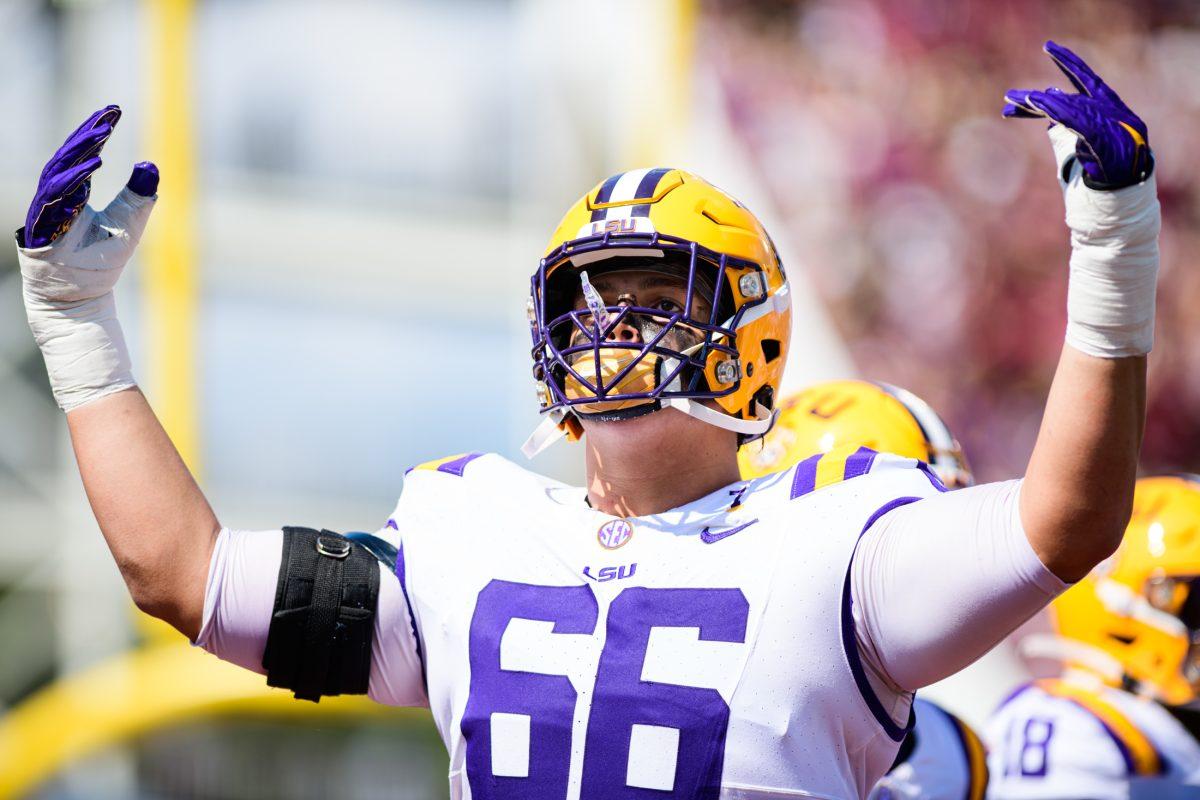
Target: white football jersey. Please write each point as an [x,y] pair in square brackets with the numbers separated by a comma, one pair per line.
[708,651]
[946,760]
[1065,739]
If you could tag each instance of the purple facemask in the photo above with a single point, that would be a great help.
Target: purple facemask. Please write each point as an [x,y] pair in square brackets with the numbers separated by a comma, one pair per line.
[574,345]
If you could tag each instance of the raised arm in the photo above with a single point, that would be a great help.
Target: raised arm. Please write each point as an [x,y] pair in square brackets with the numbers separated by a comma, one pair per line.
[1078,489]
[154,517]
[936,584]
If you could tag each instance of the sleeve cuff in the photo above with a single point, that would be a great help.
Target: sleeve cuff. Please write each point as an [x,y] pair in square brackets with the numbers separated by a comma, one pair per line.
[1025,559]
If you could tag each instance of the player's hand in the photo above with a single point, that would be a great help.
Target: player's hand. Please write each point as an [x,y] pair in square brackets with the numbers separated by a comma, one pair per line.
[1095,126]
[71,253]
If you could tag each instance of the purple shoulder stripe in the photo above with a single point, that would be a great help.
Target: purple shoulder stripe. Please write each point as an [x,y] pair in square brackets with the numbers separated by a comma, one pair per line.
[850,641]
[805,477]
[891,505]
[457,466]
[1131,767]
[1126,756]
[859,463]
[933,477]
[1013,695]
[402,574]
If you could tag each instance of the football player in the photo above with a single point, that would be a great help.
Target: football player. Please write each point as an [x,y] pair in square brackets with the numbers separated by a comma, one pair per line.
[668,629]
[942,758]
[1123,720]
[850,413]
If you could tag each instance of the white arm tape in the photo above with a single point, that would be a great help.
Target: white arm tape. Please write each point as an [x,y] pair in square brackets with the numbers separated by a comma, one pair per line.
[68,290]
[84,349]
[1114,261]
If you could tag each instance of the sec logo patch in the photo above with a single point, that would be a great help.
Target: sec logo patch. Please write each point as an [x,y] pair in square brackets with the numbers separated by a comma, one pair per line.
[615,533]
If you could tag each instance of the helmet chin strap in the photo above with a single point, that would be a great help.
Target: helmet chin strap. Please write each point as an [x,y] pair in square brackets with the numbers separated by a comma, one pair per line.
[763,416]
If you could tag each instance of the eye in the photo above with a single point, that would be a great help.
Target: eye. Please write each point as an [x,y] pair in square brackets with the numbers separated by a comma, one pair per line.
[668,305]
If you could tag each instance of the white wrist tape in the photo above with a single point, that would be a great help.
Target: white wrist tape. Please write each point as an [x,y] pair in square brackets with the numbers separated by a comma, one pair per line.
[69,300]
[1114,261]
[84,348]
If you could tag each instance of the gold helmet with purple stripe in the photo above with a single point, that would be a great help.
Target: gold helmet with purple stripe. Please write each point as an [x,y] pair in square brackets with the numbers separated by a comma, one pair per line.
[718,356]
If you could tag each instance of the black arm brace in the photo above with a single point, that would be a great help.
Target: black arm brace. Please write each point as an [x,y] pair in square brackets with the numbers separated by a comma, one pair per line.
[319,642]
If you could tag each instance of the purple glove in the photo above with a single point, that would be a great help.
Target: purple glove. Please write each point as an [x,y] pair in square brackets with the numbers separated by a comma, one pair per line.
[66,181]
[1113,146]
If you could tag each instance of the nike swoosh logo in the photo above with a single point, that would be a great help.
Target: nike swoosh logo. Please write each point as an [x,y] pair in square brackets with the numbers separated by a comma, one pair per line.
[708,537]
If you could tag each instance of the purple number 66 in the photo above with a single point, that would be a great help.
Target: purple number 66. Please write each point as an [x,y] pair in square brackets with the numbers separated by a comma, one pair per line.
[698,718]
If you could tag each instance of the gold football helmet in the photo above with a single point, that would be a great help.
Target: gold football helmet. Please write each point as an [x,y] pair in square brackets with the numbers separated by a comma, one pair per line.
[718,357]
[875,415]
[1137,614]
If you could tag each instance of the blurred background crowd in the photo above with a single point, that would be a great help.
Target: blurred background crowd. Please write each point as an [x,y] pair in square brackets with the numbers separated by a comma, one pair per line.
[932,227]
[354,196]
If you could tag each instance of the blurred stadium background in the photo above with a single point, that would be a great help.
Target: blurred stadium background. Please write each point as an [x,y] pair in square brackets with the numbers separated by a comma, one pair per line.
[354,195]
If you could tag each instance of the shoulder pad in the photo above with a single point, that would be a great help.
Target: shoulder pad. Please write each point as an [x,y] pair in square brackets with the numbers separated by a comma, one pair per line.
[461,484]
[1140,754]
[846,462]
[451,465]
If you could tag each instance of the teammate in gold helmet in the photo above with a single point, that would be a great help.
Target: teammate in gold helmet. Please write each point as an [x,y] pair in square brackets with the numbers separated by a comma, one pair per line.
[885,418]
[1124,717]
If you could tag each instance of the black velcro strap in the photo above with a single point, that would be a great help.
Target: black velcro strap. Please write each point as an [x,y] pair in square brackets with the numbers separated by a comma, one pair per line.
[319,642]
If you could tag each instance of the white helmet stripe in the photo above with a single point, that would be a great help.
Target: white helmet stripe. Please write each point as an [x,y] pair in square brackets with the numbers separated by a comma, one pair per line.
[625,190]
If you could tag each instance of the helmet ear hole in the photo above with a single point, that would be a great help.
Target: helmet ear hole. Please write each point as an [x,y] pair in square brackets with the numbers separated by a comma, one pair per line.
[766,395]
[771,349]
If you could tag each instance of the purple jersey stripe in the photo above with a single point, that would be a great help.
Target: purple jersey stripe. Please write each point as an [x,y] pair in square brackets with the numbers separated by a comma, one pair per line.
[457,466]
[806,476]
[850,642]
[602,196]
[402,574]
[1130,766]
[933,476]
[859,463]
[1013,695]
